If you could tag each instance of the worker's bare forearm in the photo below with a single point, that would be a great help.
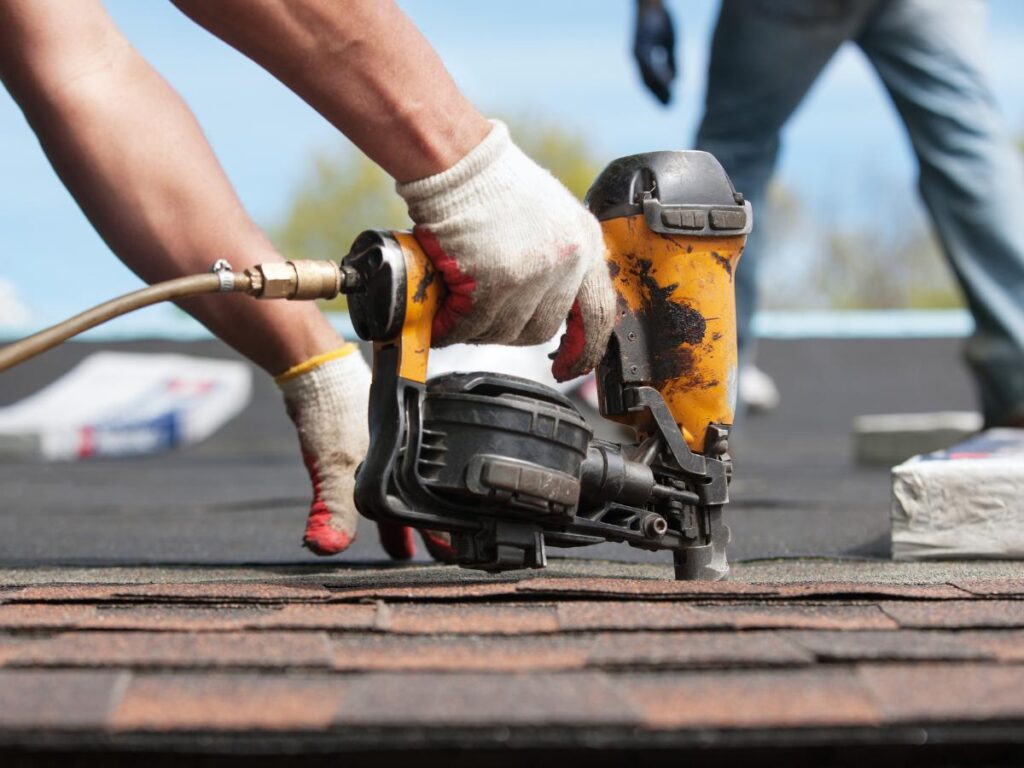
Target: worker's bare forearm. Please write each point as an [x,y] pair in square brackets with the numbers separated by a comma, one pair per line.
[139,166]
[122,140]
[363,66]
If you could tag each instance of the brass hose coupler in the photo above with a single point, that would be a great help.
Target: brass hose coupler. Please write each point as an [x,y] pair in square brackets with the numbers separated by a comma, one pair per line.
[303,280]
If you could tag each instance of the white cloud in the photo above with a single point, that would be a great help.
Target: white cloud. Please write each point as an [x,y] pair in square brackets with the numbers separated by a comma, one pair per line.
[13,311]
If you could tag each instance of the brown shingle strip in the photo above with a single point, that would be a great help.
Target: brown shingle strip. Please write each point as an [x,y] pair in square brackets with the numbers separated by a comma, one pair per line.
[660,615]
[528,588]
[761,699]
[640,650]
[174,618]
[176,650]
[1003,644]
[219,618]
[592,615]
[421,592]
[619,588]
[641,588]
[9,645]
[447,618]
[990,587]
[35,616]
[731,590]
[472,619]
[692,650]
[869,590]
[58,699]
[784,698]
[946,692]
[901,645]
[402,653]
[235,592]
[957,614]
[783,616]
[332,617]
[439,700]
[228,702]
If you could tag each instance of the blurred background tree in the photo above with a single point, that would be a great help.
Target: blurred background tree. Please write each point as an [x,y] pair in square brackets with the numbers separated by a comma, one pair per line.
[344,192]
[888,259]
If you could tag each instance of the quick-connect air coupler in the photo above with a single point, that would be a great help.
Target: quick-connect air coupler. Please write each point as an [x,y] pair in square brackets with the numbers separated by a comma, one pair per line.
[301,280]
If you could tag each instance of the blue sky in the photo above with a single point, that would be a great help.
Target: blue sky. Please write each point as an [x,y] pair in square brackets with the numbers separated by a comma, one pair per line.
[564,60]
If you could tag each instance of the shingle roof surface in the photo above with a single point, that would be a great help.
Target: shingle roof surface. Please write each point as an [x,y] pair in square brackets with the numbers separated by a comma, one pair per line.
[605,658]
[436,651]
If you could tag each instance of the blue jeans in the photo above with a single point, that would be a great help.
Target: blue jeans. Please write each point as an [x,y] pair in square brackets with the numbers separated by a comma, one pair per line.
[766,54]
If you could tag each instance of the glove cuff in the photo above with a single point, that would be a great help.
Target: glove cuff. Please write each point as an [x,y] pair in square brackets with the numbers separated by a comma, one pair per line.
[314,362]
[332,386]
[432,198]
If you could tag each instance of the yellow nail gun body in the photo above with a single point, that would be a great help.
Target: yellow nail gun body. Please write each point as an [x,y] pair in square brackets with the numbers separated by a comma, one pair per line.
[509,466]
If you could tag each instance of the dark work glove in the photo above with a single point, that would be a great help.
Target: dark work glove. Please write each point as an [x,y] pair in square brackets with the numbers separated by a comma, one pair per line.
[654,48]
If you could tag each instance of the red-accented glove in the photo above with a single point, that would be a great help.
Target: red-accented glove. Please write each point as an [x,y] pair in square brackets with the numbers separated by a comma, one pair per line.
[326,398]
[518,252]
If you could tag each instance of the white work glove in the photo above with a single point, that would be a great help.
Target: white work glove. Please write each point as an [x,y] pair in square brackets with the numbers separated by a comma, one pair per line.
[518,253]
[326,398]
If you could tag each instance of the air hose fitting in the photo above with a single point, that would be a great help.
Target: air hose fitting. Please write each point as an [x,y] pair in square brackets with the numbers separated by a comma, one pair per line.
[303,280]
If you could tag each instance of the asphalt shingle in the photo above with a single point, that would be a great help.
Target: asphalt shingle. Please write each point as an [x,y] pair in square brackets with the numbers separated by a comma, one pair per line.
[958,614]
[226,702]
[902,645]
[290,655]
[969,692]
[176,650]
[759,699]
[58,699]
[474,700]
[470,619]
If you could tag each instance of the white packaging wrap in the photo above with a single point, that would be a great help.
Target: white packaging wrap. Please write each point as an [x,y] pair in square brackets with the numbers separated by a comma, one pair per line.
[964,502]
[126,404]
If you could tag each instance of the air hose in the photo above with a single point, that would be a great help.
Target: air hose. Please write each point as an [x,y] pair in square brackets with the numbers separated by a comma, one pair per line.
[296,280]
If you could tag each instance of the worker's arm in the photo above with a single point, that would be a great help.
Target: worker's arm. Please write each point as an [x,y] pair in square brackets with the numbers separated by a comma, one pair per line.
[364,67]
[515,249]
[134,158]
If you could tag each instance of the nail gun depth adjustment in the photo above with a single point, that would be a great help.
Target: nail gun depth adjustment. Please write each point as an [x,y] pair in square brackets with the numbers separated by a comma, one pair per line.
[508,466]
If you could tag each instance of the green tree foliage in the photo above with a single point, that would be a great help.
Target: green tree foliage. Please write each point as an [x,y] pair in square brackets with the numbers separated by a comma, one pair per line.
[344,192]
[815,264]
[865,270]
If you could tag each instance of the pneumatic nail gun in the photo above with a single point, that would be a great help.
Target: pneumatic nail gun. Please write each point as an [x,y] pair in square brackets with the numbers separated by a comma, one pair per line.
[508,466]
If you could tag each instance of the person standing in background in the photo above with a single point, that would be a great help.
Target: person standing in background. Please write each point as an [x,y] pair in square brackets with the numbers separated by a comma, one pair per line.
[929,55]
